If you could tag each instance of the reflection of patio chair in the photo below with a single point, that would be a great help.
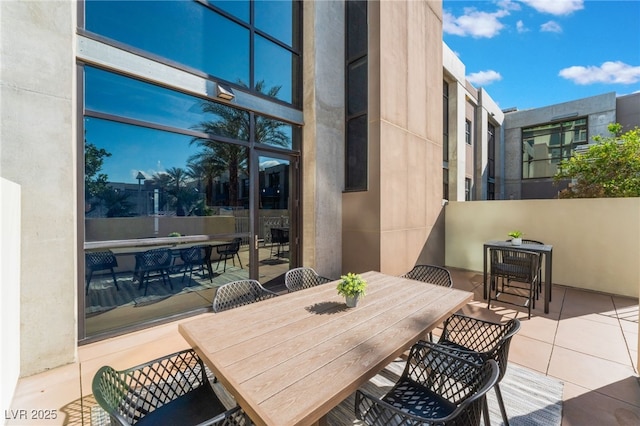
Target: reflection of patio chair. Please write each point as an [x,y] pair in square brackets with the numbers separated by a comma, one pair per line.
[156,260]
[194,257]
[229,251]
[279,238]
[100,261]
[240,293]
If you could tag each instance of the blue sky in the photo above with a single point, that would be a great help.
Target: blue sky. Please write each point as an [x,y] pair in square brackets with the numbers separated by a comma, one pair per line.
[533,53]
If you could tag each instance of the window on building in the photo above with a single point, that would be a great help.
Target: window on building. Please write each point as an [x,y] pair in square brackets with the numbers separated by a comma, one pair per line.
[545,146]
[491,161]
[259,50]
[467,132]
[467,189]
[445,184]
[445,121]
[356,143]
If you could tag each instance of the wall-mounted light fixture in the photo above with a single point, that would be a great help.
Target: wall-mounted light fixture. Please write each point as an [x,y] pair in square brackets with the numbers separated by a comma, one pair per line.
[224,92]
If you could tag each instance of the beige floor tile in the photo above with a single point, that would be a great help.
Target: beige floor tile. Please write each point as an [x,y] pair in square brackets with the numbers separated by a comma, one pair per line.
[530,353]
[44,399]
[582,407]
[607,377]
[539,327]
[589,305]
[630,326]
[593,338]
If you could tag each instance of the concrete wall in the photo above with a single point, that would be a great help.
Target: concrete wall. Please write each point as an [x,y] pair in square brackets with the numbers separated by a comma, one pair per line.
[38,140]
[323,136]
[628,111]
[600,111]
[596,242]
[396,222]
[9,290]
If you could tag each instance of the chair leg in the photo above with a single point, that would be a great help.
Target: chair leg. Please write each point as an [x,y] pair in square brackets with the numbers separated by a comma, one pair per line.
[503,411]
[239,261]
[115,282]
[485,412]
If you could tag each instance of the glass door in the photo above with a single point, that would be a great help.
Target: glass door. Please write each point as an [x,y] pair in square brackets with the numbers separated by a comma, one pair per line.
[276,230]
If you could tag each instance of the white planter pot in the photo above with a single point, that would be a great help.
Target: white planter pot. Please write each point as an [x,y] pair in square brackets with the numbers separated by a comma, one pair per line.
[516,241]
[352,301]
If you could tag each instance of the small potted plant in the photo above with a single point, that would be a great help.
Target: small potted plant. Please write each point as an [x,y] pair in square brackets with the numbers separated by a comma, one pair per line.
[516,237]
[351,286]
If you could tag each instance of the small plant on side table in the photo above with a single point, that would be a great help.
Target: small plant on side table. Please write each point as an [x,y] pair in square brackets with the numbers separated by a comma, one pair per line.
[516,237]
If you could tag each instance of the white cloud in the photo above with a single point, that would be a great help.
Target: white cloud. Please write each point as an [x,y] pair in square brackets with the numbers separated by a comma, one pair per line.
[483,78]
[551,27]
[474,23]
[520,27]
[609,72]
[555,7]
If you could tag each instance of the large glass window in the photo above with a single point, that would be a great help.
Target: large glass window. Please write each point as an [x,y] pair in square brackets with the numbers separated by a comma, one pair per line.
[356,144]
[545,146]
[166,198]
[216,38]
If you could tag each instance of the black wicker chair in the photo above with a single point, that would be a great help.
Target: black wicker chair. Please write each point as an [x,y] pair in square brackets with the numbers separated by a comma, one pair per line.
[437,387]
[430,274]
[100,261]
[301,278]
[279,238]
[195,257]
[527,241]
[229,251]
[478,340]
[173,390]
[157,261]
[239,293]
[520,270]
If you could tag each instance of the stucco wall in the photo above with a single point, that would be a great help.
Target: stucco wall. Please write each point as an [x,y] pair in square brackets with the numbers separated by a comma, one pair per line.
[37,132]
[9,290]
[323,136]
[395,223]
[596,242]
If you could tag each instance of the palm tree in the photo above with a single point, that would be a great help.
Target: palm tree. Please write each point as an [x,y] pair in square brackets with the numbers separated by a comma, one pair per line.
[218,158]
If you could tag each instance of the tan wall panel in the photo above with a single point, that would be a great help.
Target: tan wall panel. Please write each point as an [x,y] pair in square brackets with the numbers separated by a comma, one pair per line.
[596,242]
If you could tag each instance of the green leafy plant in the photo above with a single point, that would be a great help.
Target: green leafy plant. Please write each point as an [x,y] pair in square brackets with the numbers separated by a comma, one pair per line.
[175,234]
[515,234]
[351,285]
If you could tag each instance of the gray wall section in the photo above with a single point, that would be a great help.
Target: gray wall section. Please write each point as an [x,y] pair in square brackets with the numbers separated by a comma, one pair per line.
[600,112]
[38,152]
[628,111]
[323,142]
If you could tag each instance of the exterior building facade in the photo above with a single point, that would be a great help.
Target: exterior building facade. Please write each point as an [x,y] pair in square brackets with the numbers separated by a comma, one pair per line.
[220,120]
[536,140]
[471,137]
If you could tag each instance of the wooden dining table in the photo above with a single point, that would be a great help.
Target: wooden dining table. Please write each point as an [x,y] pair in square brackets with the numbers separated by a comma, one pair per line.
[289,360]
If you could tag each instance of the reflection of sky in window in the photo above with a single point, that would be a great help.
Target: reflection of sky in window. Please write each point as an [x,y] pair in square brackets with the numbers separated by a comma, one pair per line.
[136,149]
[183,31]
[273,64]
[114,94]
[237,8]
[275,18]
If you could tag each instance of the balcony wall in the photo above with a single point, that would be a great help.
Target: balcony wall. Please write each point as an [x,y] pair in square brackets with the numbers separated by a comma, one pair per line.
[596,242]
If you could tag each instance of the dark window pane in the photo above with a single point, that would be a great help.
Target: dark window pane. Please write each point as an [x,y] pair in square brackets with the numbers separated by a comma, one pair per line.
[237,8]
[276,19]
[274,70]
[356,28]
[356,153]
[182,31]
[357,86]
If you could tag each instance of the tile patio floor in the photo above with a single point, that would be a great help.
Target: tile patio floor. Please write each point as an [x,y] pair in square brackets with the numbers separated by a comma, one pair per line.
[588,340]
